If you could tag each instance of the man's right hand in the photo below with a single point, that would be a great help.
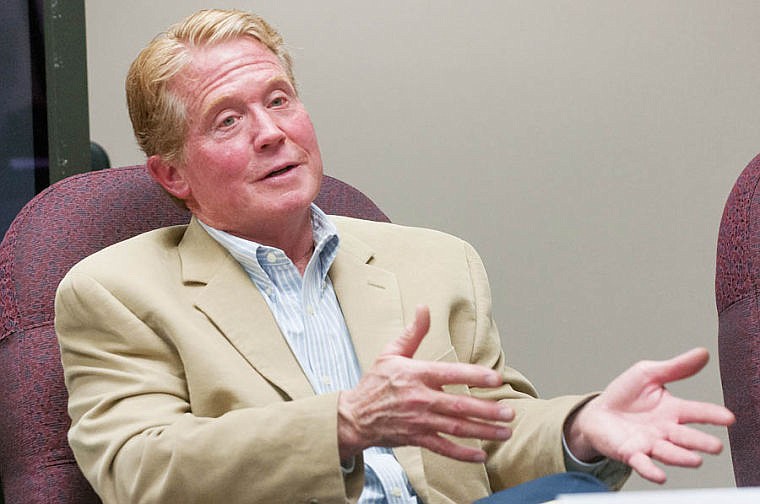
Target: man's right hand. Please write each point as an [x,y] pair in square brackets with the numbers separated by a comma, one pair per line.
[400,402]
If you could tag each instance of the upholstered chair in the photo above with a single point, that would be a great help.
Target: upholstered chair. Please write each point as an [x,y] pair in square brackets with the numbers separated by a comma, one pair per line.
[737,293]
[60,226]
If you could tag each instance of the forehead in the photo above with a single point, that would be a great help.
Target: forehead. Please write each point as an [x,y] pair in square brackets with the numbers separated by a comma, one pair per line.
[225,61]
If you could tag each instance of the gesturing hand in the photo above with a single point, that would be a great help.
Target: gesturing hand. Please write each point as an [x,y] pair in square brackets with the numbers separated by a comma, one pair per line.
[400,401]
[636,419]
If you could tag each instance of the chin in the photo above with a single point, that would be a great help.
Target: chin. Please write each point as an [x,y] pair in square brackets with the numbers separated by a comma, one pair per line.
[302,196]
[292,202]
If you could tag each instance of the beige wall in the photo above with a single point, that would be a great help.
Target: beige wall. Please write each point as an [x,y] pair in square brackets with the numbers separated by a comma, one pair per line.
[585,148]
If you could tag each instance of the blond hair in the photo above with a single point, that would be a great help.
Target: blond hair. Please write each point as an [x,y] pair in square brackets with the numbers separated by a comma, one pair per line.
[158,115]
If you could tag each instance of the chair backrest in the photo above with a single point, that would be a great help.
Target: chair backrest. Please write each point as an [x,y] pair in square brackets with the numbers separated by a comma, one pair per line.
[60,226]
[737,294]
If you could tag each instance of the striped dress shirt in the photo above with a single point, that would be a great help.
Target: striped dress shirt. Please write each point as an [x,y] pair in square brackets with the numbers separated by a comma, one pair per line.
[309,316]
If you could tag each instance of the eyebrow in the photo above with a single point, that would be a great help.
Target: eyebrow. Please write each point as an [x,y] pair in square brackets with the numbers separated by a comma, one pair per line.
[271,83]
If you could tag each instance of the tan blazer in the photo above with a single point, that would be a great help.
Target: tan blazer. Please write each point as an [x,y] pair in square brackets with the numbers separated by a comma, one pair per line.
[182,388]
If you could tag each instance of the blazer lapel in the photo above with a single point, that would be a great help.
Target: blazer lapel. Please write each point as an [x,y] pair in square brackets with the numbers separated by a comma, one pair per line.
[369,298]
[371,302]
[235,306]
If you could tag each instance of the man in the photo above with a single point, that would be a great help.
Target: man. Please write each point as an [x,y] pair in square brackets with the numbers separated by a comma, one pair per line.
[269,353]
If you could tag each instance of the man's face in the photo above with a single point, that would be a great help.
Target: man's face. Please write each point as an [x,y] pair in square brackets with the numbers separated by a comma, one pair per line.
[251,156]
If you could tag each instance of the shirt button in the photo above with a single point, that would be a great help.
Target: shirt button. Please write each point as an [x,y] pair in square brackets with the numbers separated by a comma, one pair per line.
[310,310]
[326,380]
[271,257]
[396,492]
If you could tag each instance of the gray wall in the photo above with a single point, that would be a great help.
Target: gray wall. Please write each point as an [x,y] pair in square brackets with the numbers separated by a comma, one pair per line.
[586,149]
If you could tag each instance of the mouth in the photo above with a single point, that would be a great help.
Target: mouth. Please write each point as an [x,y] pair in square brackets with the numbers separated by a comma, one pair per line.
[281,171]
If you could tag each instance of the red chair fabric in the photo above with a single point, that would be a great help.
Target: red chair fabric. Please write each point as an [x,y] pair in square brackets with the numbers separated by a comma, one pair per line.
[737,289]
[60,226]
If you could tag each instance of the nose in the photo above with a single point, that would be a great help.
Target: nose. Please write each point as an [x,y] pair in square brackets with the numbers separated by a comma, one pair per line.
[267,131]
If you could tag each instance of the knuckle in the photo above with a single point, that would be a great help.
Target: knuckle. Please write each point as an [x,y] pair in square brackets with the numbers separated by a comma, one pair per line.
[458,430]
[458,407]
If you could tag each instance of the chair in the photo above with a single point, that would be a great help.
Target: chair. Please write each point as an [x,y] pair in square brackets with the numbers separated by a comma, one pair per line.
[60,226]
[98,157]
[737,294]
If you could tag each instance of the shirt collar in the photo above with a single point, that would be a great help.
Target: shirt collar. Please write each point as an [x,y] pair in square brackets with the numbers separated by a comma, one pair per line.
[249,253]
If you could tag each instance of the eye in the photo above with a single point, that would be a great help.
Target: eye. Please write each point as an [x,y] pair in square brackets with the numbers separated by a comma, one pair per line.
[227,121]
[278,101]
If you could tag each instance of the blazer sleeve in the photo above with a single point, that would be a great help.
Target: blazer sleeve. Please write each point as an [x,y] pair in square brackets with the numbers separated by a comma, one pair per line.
[535,448]
[137,439]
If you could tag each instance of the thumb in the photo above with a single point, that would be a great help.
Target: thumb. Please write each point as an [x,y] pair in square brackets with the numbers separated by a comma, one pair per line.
[406,344]
[681,366]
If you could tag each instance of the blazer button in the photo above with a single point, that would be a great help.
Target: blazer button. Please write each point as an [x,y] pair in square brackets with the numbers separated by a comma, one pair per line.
[313,501]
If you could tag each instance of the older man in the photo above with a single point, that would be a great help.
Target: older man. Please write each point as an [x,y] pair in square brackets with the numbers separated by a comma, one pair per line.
[269,353]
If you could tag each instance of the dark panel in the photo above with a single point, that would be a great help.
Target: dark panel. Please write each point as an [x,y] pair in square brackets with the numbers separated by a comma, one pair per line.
[21,100]
[66,76]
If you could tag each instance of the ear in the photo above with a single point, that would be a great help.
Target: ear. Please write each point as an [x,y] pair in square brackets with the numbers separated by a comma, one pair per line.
[169,177]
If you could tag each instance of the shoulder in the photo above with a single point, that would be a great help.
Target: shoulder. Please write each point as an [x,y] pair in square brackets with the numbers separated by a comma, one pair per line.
[402,248]
[385,234]
[139,254]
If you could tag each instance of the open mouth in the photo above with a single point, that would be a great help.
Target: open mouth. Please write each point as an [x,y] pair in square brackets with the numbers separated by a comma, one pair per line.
[281,171]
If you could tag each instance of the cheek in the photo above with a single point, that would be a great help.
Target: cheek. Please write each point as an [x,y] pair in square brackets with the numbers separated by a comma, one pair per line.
[222,161]
[312,142]
[303,132]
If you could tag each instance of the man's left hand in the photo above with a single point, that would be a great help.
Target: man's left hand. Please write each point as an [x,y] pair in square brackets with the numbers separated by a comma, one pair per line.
[637,421]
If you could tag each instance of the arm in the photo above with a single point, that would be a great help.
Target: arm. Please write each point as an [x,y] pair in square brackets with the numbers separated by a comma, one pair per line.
[633,421]
[138,439]
[462,316]
[535,448]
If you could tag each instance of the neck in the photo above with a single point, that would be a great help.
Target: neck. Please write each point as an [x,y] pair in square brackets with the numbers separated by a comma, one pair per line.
[293,235]
[303,261]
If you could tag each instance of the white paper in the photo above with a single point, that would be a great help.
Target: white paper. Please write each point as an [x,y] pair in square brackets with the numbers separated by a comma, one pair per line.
[749,495]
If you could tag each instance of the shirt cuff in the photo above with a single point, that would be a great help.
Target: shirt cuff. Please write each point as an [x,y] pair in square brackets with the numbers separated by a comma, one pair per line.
[610,472]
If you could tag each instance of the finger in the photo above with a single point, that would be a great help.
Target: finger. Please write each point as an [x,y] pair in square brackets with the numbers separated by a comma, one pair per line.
[448,448]
[437,374]
[647,469]
[461,406]
[679,367]
[467,428]
[670,454]
[406,344]
[705,413]
[693,439]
